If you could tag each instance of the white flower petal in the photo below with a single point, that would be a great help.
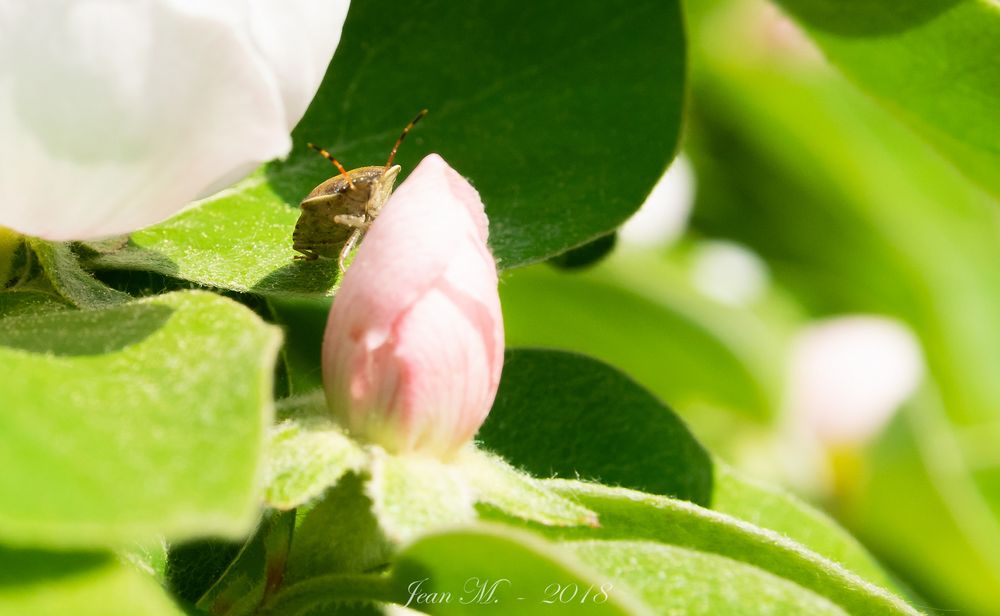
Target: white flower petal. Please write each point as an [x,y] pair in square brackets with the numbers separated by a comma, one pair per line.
[297,39]
[117,113]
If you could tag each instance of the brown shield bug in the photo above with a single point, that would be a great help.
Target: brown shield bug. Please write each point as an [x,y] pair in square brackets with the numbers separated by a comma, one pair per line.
[336,214]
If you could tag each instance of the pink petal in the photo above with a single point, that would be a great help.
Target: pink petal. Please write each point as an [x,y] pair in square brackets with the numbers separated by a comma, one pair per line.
[414,344]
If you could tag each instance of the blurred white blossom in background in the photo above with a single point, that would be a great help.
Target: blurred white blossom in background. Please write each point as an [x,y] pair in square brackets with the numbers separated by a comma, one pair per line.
[664,215]
[849,375]
[115,114]
[729,273]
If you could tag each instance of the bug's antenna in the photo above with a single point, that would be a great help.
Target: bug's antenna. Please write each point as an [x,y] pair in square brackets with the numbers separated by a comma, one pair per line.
[336,163]
[392,155]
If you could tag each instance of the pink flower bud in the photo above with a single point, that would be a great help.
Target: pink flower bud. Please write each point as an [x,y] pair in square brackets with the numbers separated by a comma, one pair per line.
[414,344]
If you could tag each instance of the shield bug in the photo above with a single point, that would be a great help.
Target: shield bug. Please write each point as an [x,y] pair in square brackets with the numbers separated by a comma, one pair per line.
[336,214]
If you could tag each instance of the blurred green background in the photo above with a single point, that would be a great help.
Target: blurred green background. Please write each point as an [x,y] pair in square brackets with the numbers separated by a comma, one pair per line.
[807,201]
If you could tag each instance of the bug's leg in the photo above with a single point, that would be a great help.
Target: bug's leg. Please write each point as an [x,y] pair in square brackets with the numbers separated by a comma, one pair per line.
[348,247]
[306,255]
[350,220]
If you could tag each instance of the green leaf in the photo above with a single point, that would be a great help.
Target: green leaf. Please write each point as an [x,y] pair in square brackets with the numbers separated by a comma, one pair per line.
[124,423]
[149,557]
[240,239]
[931,62]
[70,280]
[338,535]
[40,583]
[10,247]
[192,567]
[17,303]
[763,506]
[927,514]
[256,573]
[412,494]
[304,324]
[564,415]
[773,509]
[587,254]
[520,569]
[881,224]
[305,458]
[641,315]
[630,516]
[499,485]
[513,108]
[683,581]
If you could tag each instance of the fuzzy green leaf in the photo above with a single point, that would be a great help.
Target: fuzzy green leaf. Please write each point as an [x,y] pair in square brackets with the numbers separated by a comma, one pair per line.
[564,415]
[40,583]
[338,535]
[10,246]
[68,278]
[497,484]
[519,567]
[305,458]
[411,495]
[630,516]
[123,423]
[304,324]
[776,510]
[16,303]
[683,581]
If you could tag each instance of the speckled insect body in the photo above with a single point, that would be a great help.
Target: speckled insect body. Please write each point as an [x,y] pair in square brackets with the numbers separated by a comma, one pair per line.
[336,214]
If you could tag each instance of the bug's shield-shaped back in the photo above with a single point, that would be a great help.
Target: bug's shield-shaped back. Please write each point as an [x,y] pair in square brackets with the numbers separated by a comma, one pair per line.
[317,232]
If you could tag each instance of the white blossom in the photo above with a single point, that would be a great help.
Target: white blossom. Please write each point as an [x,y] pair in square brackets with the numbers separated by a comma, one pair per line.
[849,375]
[115,114]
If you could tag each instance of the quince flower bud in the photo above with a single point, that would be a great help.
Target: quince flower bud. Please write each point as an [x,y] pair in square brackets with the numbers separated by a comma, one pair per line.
[414,343]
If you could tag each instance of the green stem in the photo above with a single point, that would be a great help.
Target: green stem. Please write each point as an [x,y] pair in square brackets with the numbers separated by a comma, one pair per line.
[327,589]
